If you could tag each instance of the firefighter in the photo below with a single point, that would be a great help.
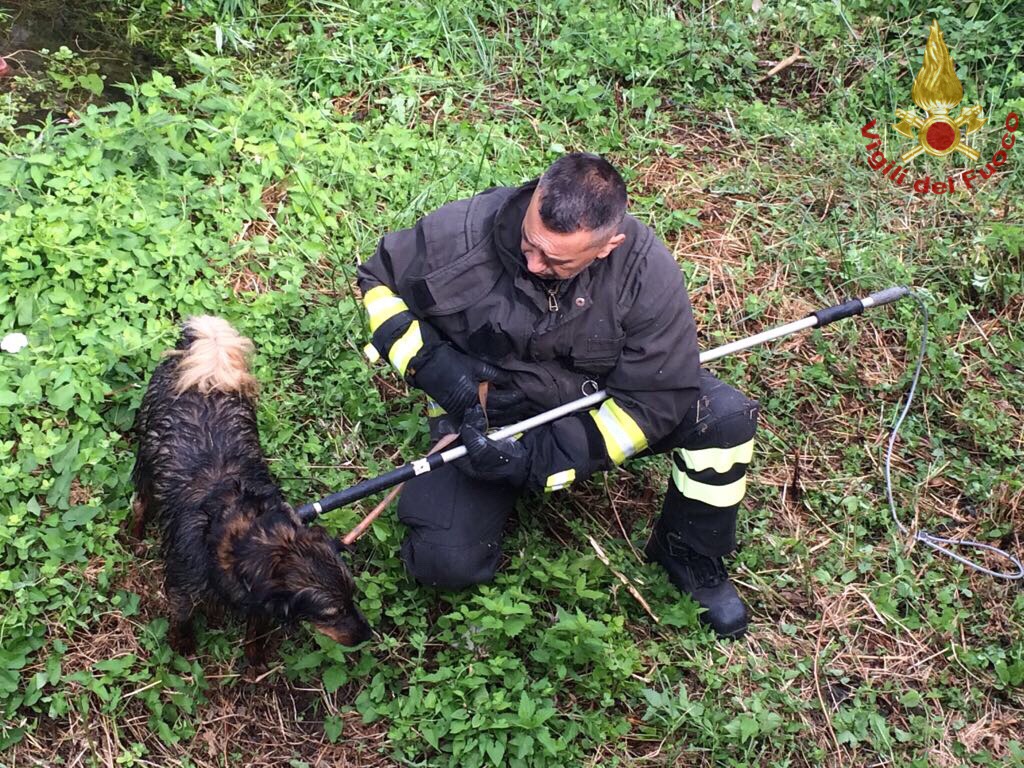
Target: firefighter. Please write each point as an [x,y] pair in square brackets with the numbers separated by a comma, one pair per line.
[551,291]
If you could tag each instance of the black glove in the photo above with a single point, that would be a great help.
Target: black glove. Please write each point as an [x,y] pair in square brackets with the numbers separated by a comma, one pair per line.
[504,460]
[452,379]
[507,406]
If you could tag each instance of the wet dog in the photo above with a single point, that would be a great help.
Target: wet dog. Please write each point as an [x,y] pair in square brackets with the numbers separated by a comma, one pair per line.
[227,534]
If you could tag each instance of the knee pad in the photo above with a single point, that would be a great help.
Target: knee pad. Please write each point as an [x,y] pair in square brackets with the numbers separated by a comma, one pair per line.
[740,425]
[732,412]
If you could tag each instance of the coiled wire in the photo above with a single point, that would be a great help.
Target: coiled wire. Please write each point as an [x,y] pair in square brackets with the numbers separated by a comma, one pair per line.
[938,543]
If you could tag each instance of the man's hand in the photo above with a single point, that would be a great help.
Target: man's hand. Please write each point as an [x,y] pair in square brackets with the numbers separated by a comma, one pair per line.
[505,460]
[452,379]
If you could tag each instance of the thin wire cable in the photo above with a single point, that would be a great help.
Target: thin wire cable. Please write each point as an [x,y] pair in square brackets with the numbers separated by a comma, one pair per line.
[926,538]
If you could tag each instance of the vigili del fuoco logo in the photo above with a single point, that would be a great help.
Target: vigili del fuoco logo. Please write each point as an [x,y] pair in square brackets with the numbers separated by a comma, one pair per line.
[938,91]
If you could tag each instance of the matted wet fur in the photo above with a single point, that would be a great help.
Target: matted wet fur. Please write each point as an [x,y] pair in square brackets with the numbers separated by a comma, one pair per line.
[227,534]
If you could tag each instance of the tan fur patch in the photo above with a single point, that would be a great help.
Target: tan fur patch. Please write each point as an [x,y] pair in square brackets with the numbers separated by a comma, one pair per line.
[138,523]
[279,535]
[138,509]
[217,360]
[280,544]
[334,634]
[235,527]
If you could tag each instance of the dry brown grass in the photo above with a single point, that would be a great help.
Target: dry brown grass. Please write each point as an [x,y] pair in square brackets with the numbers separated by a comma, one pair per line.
[272,198]
[254,276]
[79,494]
[255,724]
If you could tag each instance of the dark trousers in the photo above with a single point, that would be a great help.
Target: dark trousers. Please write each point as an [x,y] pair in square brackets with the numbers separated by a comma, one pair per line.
[455,522]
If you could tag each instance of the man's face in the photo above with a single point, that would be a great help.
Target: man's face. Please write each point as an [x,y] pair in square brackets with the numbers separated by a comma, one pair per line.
[557,255]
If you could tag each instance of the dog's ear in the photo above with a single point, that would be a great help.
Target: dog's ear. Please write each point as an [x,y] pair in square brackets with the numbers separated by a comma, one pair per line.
[336,543]
[292,515]
[255,575]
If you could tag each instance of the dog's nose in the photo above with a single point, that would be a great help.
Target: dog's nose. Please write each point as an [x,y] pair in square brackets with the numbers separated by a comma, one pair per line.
[350,631]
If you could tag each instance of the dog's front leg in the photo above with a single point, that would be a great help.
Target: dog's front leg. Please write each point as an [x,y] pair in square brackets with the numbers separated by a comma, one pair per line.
[259,643]
[181,634]
[137,523]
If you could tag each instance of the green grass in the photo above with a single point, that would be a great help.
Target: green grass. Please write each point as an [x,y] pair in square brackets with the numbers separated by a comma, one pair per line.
[863,652]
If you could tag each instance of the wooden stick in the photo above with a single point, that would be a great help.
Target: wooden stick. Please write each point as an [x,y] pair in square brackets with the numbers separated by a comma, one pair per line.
[618,519]
[629,585]
[440,445]
[481,394]
[367,521]
[817,686]
[786,62]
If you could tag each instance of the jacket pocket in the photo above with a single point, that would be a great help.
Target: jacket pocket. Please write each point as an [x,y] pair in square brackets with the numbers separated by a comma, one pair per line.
[597,355]
[464,282]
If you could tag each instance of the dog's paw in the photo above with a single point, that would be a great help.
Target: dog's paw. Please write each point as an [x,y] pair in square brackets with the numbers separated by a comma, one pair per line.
[250,671]
[183,643]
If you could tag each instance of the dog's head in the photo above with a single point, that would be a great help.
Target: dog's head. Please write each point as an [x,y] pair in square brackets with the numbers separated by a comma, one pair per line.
[301,576]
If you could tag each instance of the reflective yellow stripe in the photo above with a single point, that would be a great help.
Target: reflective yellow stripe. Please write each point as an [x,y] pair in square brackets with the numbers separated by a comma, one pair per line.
[382,304]
[715,495]
[718,459]
[371,353]
[403,350]
[433,409]
[622,436]
[559,480]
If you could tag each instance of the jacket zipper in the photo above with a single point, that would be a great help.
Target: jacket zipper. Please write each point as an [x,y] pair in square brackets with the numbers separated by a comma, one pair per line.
[552,299]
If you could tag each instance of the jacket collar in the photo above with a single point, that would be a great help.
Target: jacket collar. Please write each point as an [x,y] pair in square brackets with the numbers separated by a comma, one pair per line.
[508,228]
[507,237]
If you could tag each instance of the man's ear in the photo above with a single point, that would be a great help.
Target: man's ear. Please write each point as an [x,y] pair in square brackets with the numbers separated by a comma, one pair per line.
[611,245]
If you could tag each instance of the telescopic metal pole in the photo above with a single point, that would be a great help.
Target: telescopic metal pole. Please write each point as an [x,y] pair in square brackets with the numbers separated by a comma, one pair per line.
[822,317]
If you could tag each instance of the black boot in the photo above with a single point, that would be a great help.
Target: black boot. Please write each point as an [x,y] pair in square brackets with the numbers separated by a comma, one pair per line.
[702,578]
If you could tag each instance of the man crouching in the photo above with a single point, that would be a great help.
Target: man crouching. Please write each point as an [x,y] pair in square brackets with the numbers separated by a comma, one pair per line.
[551,291]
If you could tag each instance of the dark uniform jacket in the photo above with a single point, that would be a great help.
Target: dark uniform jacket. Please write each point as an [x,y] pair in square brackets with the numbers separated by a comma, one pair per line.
[624,324]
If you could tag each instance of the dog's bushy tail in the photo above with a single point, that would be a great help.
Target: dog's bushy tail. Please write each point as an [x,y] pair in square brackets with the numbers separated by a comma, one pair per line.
[215,358]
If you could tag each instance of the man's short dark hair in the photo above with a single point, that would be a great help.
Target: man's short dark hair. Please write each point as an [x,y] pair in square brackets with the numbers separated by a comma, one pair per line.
[582,191]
